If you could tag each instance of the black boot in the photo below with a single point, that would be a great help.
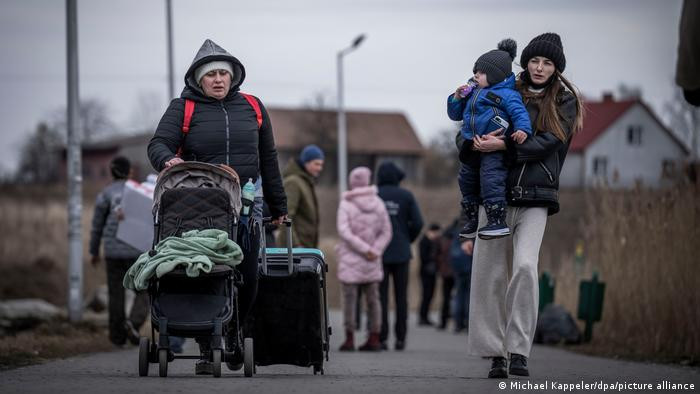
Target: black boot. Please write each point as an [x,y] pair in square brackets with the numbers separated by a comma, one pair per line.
[236,362]
[204,366]
[496,226]
[518,365]
[471,217]
[498,368]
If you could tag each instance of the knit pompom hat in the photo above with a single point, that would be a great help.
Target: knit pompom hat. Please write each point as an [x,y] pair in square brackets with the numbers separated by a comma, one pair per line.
[547,45]
[359,177]
[497,63]
[215,65]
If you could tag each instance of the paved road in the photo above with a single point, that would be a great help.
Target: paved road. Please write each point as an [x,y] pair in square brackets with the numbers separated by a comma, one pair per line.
[434,362]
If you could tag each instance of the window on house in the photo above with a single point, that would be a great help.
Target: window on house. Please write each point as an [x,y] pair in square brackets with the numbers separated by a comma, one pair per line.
[634,135]
[600,166]
[668,168]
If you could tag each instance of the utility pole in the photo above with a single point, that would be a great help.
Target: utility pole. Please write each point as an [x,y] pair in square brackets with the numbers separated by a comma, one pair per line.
[169,34]
[75,179]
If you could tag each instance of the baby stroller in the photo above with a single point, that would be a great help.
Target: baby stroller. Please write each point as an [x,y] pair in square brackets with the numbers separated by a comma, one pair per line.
[194,196]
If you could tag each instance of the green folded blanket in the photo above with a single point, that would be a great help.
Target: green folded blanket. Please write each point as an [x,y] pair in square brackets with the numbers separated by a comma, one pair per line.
[197,251]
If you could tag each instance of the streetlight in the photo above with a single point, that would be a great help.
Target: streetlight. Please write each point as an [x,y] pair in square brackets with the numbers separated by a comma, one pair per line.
[342,132]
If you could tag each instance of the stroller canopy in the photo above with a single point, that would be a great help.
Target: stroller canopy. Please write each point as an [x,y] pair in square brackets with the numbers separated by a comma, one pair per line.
[198,174]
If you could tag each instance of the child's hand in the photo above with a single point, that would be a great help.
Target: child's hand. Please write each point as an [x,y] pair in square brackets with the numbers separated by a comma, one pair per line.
[462,91]
[519,136]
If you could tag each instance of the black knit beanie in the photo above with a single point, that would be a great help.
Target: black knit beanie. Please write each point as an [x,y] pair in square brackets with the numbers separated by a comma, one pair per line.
[120,167]
[547,45]
[497,64]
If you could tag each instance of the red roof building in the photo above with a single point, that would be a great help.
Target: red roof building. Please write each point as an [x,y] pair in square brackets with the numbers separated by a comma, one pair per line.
[622,143]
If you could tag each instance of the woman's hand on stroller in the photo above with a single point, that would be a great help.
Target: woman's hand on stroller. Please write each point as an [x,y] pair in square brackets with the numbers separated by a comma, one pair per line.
[173,161]
[279,220]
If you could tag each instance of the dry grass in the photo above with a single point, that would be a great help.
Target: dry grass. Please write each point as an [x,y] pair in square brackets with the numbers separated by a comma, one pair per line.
[55,339]
[34,248]
[641,242]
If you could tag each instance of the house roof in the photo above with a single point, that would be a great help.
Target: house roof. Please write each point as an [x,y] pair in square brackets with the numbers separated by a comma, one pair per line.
[368,132]
[600,115]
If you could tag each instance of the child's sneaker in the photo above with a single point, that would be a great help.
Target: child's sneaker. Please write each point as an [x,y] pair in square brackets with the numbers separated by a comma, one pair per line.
[471,217]
[496,226]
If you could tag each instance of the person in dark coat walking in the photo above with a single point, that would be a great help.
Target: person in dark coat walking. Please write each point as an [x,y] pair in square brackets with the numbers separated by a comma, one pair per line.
[406,224]
[444,268]
[119,256]
[228,128]
[429,250]
[461,252]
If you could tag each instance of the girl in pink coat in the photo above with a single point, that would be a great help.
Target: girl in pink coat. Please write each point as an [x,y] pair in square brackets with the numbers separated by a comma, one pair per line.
[365,231]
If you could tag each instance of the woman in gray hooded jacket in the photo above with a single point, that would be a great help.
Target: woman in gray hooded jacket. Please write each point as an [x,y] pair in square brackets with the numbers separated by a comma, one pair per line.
[230,128]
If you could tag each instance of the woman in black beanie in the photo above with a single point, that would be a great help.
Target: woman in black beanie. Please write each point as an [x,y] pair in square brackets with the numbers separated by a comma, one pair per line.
[503,307]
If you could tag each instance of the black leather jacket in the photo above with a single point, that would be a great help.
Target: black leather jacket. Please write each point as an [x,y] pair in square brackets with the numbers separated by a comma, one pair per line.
[535,165]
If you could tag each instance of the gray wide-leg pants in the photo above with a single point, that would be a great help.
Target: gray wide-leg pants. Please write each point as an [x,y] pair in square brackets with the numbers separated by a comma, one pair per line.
[504,296]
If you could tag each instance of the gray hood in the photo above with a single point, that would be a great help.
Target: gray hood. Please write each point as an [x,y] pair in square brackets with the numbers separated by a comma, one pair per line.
[208,52]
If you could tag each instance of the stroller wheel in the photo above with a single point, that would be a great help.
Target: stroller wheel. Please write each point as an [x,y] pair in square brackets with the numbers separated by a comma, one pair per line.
[144,347]
[248,362]
[216,362]
[163,362]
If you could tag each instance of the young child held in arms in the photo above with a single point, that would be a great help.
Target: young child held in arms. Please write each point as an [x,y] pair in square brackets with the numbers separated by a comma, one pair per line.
[488,104]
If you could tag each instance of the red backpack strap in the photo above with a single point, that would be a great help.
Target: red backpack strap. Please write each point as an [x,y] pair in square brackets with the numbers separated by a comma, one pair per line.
[189,110]
[254,103]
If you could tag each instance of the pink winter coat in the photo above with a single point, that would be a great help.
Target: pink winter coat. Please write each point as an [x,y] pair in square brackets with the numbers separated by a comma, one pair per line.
[363,225]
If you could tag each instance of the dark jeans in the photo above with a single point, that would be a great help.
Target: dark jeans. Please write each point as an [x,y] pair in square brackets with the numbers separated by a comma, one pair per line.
[428,284]
[399,273]
[484,180]
[116,269]
[462,300]
[447,286]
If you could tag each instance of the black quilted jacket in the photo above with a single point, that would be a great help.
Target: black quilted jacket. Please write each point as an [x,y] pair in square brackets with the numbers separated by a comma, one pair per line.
[221,132]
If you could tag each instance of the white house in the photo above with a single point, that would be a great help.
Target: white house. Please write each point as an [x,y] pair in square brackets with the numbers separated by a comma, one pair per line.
[622,143]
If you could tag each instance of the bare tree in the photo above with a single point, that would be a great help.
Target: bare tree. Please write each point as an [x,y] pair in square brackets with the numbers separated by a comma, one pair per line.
[94,119]
[40,156]
[441,159]
[684,120]
[147,111]
[629,92]
[319,123]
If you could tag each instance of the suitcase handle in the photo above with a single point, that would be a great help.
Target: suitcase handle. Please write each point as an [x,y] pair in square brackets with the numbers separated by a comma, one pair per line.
[290,260]
[287,223]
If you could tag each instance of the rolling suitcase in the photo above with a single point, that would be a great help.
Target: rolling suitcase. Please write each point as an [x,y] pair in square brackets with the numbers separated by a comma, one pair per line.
[289,322]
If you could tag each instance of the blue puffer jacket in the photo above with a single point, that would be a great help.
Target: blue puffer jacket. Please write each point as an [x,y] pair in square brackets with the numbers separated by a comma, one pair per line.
[477,109]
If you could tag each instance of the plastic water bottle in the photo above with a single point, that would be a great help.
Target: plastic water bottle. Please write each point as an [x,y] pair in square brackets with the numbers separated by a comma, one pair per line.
[470,85]
[248,197]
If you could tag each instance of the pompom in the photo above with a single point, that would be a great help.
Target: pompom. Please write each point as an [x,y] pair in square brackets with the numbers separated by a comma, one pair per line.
[508,45]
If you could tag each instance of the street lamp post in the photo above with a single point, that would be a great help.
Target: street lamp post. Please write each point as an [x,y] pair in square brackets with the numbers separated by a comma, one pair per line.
[342,130]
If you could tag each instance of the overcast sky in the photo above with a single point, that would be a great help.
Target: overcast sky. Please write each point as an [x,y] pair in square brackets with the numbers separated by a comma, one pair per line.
[416,52]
